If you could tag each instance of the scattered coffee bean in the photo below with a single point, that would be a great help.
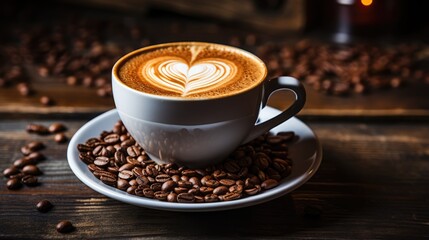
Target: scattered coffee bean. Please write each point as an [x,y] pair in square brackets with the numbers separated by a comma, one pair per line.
[65,227]
[10,171]
[46,101]
[31,169]
[60,138]
[13,183]
[24,89]
[121,163]
[44,206]
[57,127]
[37,128]
[29,180]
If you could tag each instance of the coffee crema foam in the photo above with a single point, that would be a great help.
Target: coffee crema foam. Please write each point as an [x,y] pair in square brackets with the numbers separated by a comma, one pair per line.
[191,70]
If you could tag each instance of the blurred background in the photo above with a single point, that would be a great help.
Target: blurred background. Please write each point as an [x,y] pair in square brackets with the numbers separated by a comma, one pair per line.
[352,55]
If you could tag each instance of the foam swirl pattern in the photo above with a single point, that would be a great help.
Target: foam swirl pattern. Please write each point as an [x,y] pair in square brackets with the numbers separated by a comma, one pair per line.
[175,74]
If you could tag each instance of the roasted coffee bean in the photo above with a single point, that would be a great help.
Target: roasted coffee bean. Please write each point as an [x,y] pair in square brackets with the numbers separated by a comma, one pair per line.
[92,167]
[101,161]
[269,183]
[162,178]
[280,165]
[88,159]
[142,180]
[231,166]
[126,166]
[195,191]
[24,89]
[122,184]
[253,191]
[30,180]
[185,198]
[120,157]
[220,190]
[149,193]
[37,128]
[168,186]
[44,206]
[35,146]
[172,197]
[175,178]
[185,184]
[133,151]
[84,148]
[108,180]
[156,186]
[262,160]
[111,138]
[230,196]
[189,173]
[227,182]
[36,156]
[47,101]
[236,188]
[137,171]
[13,184]
[160,195]
[65,227]
[198,199]
[56,128]
[131,190]
[211,198]
[212,183]
[219,174]
[195,181]
[60,138]
[179,190]
[114,170]
[10,171]
[25,150]
[126,174]
[206,190]
[31,169]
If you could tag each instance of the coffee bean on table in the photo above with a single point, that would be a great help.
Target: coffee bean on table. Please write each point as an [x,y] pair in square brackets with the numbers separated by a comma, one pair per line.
[31,169]
[60,138]
[65,227]
[46,101]
[56,128]
[44,206]
[29,180]
[10,171]
[37,128]
[13,184]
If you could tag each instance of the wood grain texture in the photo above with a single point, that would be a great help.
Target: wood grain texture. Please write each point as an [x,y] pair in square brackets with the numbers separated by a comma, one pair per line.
[372,184]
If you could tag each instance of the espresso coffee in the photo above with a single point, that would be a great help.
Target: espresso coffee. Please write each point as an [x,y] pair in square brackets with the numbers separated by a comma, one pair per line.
[190,70]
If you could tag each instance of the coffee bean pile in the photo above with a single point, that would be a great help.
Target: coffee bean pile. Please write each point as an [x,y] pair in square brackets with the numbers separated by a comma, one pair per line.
[117,160]
[24,171]
[341,70]
[77,53]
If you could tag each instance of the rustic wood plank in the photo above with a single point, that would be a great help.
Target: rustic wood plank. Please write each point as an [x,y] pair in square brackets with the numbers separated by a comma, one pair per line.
[372,184]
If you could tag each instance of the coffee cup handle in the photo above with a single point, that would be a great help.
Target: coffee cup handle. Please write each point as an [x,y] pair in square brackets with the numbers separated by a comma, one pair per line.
[277,84]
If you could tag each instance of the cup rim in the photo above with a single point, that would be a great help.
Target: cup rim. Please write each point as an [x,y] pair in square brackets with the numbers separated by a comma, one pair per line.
[120,61]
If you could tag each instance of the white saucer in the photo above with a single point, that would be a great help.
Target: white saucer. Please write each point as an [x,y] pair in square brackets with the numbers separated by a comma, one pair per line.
[305,152]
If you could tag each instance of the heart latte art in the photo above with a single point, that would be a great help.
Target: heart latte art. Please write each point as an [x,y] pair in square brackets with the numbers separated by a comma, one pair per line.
[190,70]
[177,75]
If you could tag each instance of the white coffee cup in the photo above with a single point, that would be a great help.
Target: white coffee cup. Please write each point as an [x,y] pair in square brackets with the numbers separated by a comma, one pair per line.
[199,132]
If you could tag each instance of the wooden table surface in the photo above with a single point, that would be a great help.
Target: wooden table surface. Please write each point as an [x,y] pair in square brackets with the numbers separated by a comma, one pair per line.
[372,183]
